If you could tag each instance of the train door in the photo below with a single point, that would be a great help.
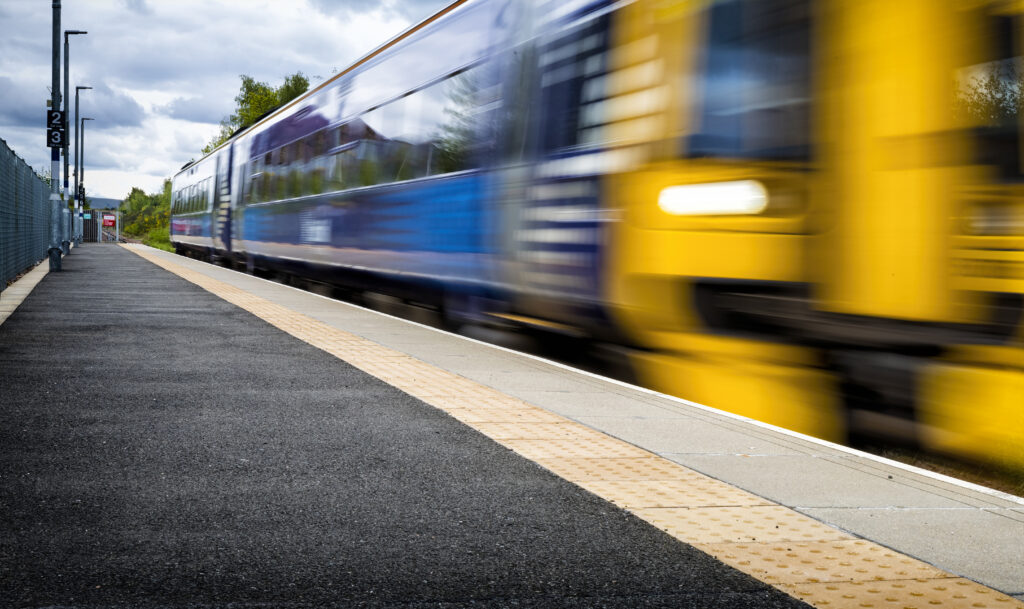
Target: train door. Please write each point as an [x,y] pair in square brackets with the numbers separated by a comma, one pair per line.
[222,203]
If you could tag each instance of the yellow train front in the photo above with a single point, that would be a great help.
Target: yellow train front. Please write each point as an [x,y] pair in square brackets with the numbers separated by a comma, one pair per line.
[821,220]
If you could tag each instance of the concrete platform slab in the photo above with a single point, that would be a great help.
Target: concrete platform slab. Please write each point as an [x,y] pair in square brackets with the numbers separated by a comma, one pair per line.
[960,540]
[807,482]
[676,436]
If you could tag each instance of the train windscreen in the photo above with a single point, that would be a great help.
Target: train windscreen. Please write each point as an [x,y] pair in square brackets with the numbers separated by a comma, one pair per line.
[755,81]
[989,96]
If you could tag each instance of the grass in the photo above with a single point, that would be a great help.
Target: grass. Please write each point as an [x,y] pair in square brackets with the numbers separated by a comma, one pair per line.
[159,238]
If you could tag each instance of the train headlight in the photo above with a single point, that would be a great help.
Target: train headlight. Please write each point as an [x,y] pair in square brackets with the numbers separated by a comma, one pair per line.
[743,197]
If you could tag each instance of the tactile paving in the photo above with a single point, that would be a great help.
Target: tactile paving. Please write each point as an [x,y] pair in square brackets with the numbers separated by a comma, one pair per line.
[739,524]
[821,561]
[950,593]
[593,447]
[473,416]
[529,431]
[481,402]
[578,469]
[696,490]
[801,556]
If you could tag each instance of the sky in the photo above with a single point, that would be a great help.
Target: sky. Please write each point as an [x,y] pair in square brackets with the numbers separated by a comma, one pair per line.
[165,72]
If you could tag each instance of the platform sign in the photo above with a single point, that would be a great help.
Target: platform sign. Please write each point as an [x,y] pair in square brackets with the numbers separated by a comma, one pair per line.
[55,129]
[109,219]
[54,138]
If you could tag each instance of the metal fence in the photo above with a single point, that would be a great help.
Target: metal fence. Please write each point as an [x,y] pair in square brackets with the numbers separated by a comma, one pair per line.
[24,216]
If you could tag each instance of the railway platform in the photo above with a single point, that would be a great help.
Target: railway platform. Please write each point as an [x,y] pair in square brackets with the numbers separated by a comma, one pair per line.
[176,434]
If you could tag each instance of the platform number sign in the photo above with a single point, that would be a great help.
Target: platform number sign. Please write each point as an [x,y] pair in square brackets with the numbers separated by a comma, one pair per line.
[55,129]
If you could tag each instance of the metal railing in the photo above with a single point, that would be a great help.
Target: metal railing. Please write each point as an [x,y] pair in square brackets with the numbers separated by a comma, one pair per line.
[24,216]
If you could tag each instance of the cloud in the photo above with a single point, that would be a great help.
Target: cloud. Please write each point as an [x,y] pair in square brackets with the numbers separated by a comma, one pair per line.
[110,108]
[410,10]
[138,6]
[165,73]
[19,107]
[198,109]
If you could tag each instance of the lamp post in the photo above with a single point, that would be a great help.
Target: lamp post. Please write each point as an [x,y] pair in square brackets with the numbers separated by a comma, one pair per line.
[54,251]
[81,170]
[78,157]
[66,244]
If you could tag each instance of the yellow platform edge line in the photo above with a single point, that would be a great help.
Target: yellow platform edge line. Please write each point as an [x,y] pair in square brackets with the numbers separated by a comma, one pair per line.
[805,558]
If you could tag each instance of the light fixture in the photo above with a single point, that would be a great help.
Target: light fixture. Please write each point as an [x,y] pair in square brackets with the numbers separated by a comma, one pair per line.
[742,197]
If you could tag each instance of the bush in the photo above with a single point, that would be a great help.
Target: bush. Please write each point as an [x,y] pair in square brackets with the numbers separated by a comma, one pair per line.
[159,238]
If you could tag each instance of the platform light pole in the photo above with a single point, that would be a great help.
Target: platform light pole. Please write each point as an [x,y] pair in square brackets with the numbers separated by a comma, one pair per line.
[81,171]
[79,204]
[67,89]
[55,202]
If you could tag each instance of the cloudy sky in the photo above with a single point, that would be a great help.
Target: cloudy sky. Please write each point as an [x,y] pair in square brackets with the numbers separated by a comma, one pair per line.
[165,72]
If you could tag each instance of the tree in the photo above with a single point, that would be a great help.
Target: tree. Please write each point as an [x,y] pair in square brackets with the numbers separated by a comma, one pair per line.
[44,175]
[254,100]
[144,213]
[294,86]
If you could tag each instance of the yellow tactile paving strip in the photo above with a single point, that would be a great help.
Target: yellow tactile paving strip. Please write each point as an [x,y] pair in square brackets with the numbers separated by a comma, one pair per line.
[805,558]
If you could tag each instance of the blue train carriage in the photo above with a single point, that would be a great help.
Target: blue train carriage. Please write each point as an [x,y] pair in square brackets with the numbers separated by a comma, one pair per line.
[193,197]
[379,178]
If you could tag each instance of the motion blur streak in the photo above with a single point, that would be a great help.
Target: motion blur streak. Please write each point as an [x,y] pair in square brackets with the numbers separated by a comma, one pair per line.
[538,163]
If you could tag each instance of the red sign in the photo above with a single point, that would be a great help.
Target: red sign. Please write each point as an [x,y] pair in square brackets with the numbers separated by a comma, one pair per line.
[109,220]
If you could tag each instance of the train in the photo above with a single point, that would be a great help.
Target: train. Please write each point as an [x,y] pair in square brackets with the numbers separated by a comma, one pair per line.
[806,213]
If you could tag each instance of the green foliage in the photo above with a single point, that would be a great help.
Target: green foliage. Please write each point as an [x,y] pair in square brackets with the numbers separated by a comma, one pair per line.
[255,99]
[294,86]
[159,238]
[143,215]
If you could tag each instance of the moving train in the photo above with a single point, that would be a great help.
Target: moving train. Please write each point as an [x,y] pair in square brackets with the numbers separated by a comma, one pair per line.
[809,213]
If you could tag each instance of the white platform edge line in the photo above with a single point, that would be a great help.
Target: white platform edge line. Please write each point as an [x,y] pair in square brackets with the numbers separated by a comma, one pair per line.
[788,432]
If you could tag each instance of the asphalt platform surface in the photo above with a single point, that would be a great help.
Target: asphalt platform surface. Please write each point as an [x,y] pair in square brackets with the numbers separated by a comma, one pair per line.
[160,447]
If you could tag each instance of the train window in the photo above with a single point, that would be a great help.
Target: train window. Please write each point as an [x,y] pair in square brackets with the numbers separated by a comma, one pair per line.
[756,81]
[294,182]
[307,146]
[573,86]
[266,185]
[252,195]
[425,132]
[319,143]
[280,180]
[989,96]
[317,176]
